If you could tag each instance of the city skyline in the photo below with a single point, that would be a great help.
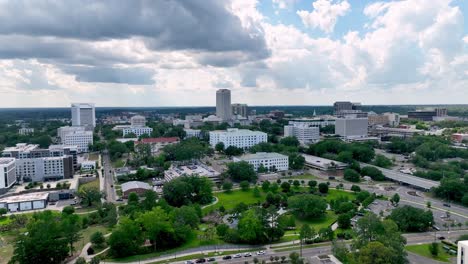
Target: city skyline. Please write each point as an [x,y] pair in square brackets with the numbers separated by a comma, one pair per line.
[278,52]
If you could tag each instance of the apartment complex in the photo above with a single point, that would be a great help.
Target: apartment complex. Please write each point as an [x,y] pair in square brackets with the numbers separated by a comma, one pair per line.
[7,172]
[271,161]
[83,114]
[223,104]
[76,136]
[241,138]
[305,134]
[350,127]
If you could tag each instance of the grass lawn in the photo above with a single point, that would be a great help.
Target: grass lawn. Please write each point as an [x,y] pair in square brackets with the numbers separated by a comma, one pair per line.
[7,240]
[423,250]
[333,194]
[231,199]
[91,184]
[317,224]
[86,235]
[4,220]
[93,156]
[118,163]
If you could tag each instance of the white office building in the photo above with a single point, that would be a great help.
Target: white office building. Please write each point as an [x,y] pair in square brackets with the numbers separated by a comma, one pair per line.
[240,110]
[313,122]
[192,133]
[462,254]
[223,104]
[305,134]
[393,119]
[351,127]
[271,161]
[138,131]
[241,138]
[83,114]
[7,172]
[138,121]
[76,136]
[26,131]
[40,169]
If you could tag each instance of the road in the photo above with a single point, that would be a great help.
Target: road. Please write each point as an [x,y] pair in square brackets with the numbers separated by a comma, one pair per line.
[109,189]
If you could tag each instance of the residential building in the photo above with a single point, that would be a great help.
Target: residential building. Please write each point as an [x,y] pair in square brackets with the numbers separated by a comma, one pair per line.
[83,114]
[459,137]
[7,172]
[271,161]
[223,104]
[192,133]
[25,202]
[76,136]
[26,131]
[138,121]
[305,134]
[462,254]
[135,187]
[157,144]
[241,138]
[138,131]
[240,110]
[351,127]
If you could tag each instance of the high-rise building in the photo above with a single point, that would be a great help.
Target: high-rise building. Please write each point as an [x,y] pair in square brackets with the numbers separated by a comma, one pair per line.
[240,109]
[76,136]
[343,106]
[305,134]
[351,127]
[138,121]
[83,114]
[223,104]
[7,172]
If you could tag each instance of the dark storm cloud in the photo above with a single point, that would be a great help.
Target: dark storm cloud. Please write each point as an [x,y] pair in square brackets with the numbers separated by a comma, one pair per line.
[205,25]
[136,75]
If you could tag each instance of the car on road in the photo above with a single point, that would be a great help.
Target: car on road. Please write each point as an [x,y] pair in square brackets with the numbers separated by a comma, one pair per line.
[211,259]
[227,257]
[237,256]
[247,255]
[261,252]
[189,262]
[441,238]
[201,260]
[446,205]
[119,199]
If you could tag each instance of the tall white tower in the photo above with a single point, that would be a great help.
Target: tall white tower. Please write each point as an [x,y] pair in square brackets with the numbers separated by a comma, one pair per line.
[223,104]
[83,114]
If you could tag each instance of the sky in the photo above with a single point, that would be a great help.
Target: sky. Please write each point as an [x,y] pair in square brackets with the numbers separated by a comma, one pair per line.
[268,52]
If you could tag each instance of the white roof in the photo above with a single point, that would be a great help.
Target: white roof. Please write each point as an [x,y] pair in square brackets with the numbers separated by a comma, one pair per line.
[263,155]
[25,197]
[5,161]
[135,185]
[321,162]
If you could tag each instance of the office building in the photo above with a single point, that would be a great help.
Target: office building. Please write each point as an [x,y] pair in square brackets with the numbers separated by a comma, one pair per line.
[393,119]
[305,134]
[138,121]
[138,131]
[7,172]
[441,112]
[240,110]
[462,254]
[26,131]
[271,161]
[313,122]
[342,106]
[422,115]
[323,164]
[83,114]
[241,138]
[36,164]
[76,136]
[223,104]
[375,119]
[192,133]
[351,127]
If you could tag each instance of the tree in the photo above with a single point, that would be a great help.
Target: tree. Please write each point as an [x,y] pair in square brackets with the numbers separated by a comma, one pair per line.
[285,186]
[244,185]
[323,187]
[274,187]
[434,249]
[185,215]
[68,210]
[97,239]
[227,186]
[307,205]
[219,147]
[295,258]
[412,219]
[233,151]
[296,161]
[312,184]
[355,188]
[241,171]
[296,184]
[71,227]
[89,195]
[266,186]
[188,189]
[95,260]
[290,141]
[382,161]
[351,175]
[262,169]
[256,192]
[375,253]
[149,200]
[395,199]
[306,233]
[126,239]
[80,260]
[372,172]
[344,221]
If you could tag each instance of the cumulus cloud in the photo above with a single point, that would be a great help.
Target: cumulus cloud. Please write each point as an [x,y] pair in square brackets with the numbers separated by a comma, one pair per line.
[325,14]
[134,75]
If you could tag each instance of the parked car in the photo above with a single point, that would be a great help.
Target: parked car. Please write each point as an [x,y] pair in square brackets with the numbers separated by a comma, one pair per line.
[189,262]
[211,259]
[247,254]
[237,256]
[201,260]
[261,252]
[227,257]
[446,205]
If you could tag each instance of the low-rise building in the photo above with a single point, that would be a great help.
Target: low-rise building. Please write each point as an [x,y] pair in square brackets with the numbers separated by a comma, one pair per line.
[88,165]
[323,164]
[26,131]
[459,137]
[157,144]
[192,133]
[24,202]
[138,131]
[313,122]
[375,119]
[199,169]
[7,172]
[241,138]
[135,187]
[270,160]
[138,121]
[305,134]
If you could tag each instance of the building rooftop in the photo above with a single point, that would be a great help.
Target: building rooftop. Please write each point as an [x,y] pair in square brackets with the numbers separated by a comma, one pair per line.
[25,197]
[135,185]
[23,147]
[158,140]
[322,162]
[262,155]
[238,131]
[4,161]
